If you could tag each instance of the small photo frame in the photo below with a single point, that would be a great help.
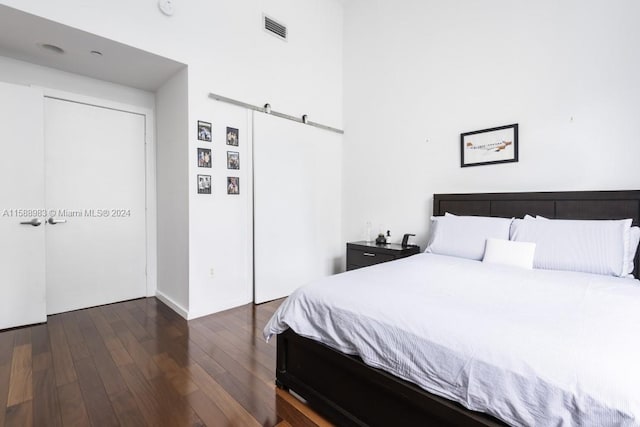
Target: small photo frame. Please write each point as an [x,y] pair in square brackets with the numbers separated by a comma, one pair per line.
[204,131]
[233,160]
[204,184]
[232,136]
[489,146]
[204,158]
[233,185]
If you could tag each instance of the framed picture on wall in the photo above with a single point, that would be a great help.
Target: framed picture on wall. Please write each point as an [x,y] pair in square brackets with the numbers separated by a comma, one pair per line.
[204,184]
[233,138]
[204,131]
[233,185]
[489,146]
[233,160]
[204,158]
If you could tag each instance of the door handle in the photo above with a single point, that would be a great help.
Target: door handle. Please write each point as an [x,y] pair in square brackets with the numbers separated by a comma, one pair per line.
[368,254]
[56,221]
[35,222]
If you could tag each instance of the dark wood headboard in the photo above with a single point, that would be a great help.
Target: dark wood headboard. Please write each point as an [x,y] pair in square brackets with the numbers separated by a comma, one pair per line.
[558,205]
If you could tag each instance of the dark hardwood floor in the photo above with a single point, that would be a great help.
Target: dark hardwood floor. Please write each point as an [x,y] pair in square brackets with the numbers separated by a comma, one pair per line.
[138,363]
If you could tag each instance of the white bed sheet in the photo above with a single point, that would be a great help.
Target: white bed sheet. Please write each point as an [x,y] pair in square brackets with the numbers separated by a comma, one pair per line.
[530,347]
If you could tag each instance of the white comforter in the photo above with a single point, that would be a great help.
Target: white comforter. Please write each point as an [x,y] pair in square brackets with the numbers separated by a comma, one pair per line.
[530,347]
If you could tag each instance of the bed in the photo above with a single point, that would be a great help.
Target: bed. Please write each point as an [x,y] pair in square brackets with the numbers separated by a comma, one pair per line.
[348,391]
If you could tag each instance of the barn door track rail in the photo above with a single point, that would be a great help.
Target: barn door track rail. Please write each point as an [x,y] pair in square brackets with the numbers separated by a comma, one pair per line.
[266,109]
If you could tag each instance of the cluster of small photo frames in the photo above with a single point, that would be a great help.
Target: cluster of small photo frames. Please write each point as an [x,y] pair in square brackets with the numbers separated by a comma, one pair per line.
[205,158]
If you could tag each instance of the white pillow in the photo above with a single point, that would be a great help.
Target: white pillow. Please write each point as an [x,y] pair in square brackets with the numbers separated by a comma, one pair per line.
[598,246]
[530,217]
[507,252]
[465,236]
[630,253]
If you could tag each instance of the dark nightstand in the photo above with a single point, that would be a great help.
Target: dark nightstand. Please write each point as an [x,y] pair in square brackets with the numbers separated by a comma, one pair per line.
[363,254]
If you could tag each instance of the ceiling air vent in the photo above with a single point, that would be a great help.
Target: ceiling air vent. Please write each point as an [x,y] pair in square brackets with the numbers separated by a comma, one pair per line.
[274,27]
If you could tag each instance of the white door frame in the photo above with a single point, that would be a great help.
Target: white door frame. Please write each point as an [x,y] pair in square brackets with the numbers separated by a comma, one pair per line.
[150,171]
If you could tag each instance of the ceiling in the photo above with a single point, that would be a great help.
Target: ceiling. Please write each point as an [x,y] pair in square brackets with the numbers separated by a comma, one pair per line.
[22,36]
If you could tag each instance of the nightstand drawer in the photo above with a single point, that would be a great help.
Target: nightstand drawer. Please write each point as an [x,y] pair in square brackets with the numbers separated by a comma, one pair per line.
[365,258]
[363,254]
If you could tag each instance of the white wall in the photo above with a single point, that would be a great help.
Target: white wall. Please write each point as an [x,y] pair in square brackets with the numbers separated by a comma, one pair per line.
[25,73]
[227,52]
[419,73]
[225,47]
[172,106]
[220,232]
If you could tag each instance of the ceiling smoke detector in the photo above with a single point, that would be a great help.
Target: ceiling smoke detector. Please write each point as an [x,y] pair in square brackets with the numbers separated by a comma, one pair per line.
[166,7]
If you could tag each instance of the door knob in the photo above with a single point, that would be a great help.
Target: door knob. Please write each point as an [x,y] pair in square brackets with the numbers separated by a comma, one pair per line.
[35,222]
[56,221]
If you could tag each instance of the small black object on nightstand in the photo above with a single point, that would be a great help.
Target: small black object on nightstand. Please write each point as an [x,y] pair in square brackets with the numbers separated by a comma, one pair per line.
[405,240]
[364,254]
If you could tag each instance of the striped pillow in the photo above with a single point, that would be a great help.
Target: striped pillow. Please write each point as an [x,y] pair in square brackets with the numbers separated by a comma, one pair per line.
[598,247]
[465,236]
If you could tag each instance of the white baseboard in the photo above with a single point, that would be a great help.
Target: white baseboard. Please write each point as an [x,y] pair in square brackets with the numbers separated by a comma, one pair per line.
[173,305]
[224,305]
[216,308]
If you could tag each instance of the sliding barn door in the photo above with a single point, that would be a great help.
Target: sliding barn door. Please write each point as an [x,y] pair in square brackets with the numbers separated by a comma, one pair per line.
[297,205]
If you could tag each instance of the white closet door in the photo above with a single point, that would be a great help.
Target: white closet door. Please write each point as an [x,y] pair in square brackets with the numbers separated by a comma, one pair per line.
[95,181]
[22,277]
[297,205]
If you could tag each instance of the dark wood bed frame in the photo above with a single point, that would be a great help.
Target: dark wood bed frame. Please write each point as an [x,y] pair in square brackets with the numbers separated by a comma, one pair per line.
[350,393]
